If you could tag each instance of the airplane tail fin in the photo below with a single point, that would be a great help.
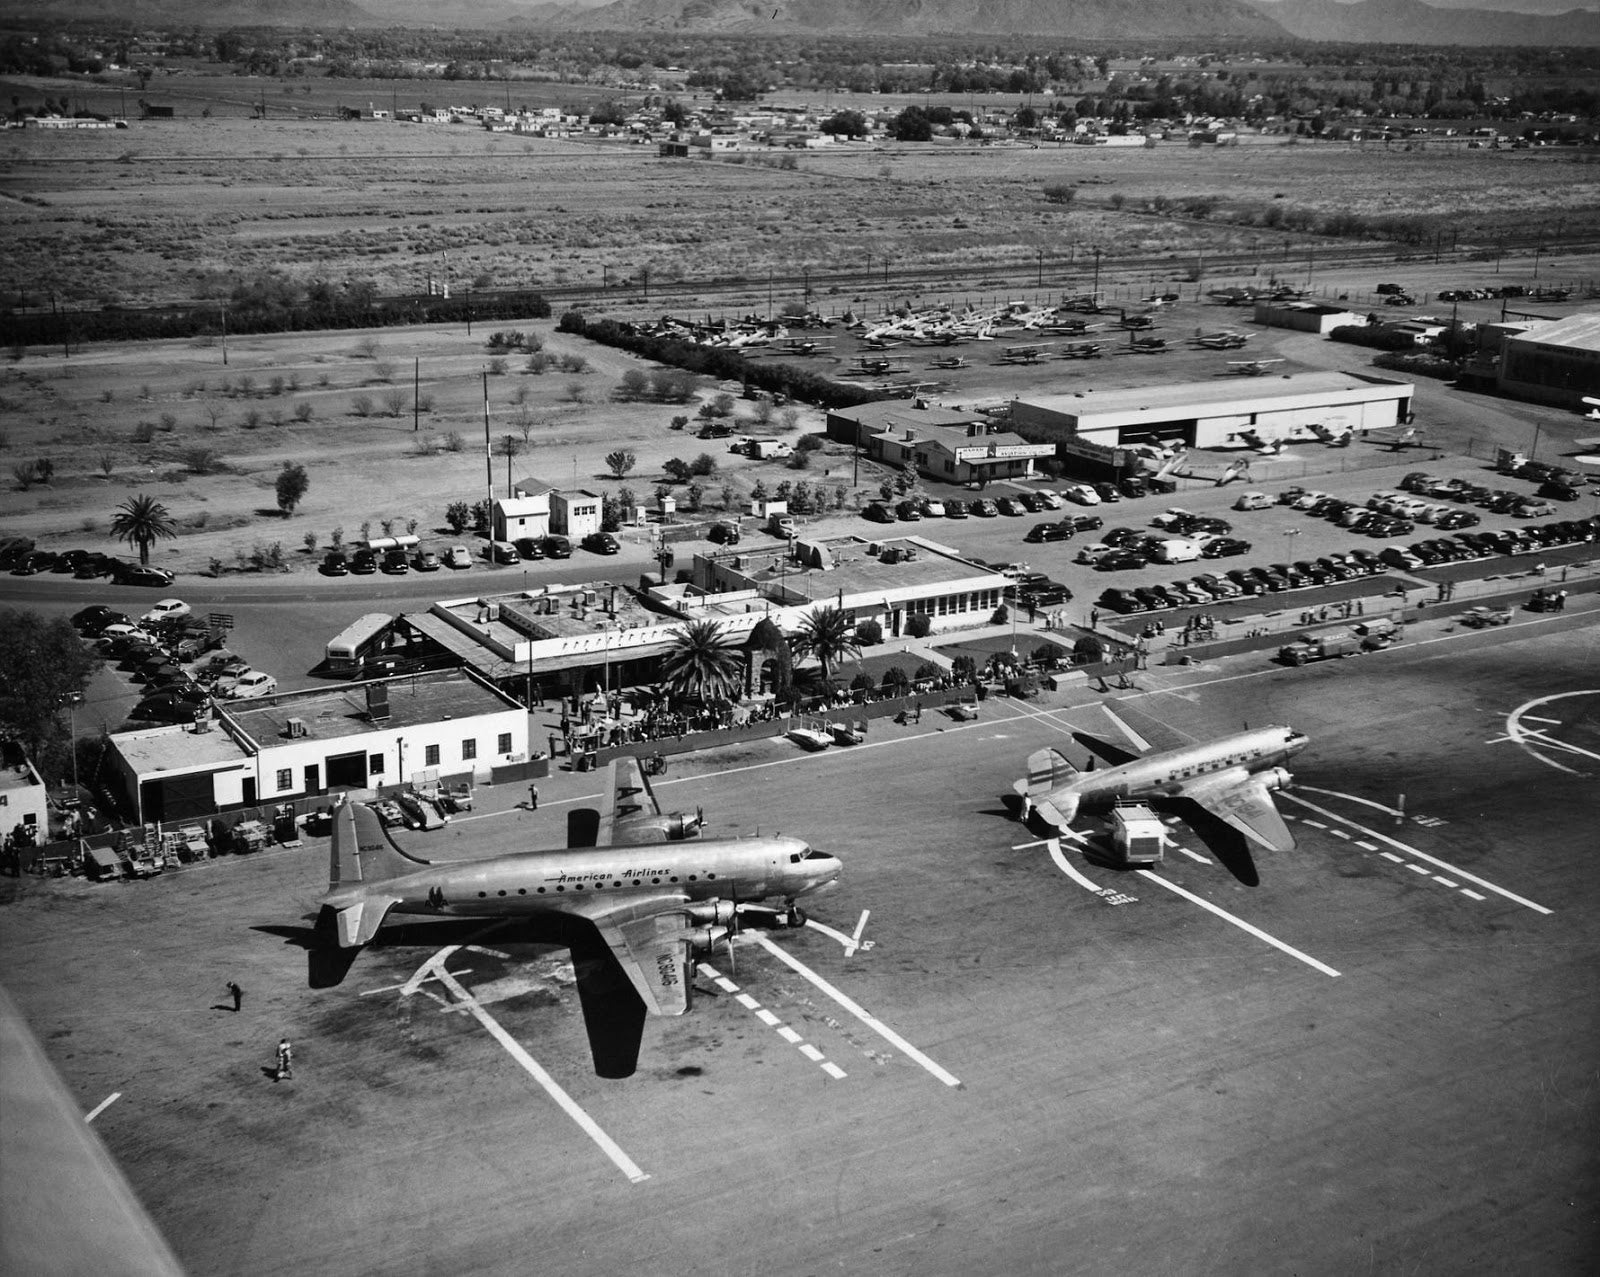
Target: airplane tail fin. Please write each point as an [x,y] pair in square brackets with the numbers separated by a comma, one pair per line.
[361,850]
[1047,768]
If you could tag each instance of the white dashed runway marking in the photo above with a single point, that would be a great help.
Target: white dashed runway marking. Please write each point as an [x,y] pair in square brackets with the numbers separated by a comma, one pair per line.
[770,1020]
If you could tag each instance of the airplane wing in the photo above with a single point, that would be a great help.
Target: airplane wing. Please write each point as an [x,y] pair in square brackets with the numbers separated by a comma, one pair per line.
[1246,805]
[627,803]
[648,940]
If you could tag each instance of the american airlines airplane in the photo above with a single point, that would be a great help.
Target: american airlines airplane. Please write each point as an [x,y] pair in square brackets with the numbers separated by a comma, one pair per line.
[651,895]
[1230,779]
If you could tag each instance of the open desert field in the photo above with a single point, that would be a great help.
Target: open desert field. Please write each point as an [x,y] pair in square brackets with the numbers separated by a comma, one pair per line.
[182,208]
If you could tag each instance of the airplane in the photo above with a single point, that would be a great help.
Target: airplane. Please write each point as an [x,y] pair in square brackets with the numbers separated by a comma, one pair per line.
[950,361]
[1252,367]
[1328,437]
[1593,405]
[1082,350]
[1022,354]
[636,894]
[1134,322]
[1228,780]
[1253,440]
[1147,346]
[1408,438]
[879,366]
[1223,340]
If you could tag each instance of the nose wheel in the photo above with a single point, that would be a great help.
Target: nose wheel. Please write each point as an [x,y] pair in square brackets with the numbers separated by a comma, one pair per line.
[794,916]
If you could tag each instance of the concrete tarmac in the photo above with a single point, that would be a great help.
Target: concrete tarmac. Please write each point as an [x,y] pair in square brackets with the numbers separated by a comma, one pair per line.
[1143,1084]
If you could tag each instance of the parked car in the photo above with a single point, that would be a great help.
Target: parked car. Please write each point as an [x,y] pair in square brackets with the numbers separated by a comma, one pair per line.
[502,553]
[67,560]
[1219,587]
[602,543]
[1224,548]
[427,561]
[908,511]
[364,562]
[1368,560]
[1337,569]
[249,685]
[92,566]
[335,564]
[1119,600]
[167,709]
[1252,501]
[1108,492]
[1247,581]
[166,610]
[1093,552]
[457,556]
[955,508]
[877,512]
[1133,487]
[394,562]
[557,547]
[1397,556]
[1081,493]
[932,508]
[92,620]
[1085,522]
[722,534]
[33,562]
[1152,597]
[1010,507]
[1029,502]
[1121,561]
[1048,500]
[983,508]
[1189,592]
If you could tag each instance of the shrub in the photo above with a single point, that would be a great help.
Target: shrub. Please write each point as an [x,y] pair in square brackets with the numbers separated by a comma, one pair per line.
[705,466]
[144,432]
[1060,192]
[868,633]
[394,402]
[453,441]
[456,516]
[918,625]
[497,367]
[361,405]
[310,540]
[303,411]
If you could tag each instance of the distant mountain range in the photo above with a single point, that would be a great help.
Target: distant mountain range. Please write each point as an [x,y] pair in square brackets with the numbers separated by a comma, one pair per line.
[1411,22]
[1519,22]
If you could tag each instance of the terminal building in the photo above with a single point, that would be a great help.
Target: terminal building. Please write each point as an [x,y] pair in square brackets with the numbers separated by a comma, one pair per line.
[938,443]
[571,640]
[442,725]
[1215,413]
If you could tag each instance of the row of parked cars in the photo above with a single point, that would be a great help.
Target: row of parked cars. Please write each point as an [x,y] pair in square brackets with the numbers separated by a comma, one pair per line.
[1332,568]
[1013,504]
[18,556]
[174,657]
[398,561]
[1382,515]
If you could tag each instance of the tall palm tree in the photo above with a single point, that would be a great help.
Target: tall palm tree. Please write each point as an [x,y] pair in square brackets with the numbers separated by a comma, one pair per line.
[703,663]
[827,634]
[141,522]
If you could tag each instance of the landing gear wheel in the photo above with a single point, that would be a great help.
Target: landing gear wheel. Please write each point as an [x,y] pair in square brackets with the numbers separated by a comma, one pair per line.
[795,917]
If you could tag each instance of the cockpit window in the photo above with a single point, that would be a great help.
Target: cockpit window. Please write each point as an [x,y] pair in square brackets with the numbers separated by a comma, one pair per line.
[794,859]
[815,855]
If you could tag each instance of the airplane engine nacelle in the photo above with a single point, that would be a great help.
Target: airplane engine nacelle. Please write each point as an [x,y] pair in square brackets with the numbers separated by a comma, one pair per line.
[1276,778]
[712,912]
[706,939]
[673,826]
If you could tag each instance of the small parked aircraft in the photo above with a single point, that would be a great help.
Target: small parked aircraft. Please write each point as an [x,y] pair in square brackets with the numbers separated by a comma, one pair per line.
[1224,340]
[1252,367]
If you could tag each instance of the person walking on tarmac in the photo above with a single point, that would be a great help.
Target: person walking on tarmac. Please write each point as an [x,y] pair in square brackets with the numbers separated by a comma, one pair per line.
[285,1060]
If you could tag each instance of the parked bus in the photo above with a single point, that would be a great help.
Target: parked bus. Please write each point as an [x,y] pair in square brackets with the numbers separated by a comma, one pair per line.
[353,647]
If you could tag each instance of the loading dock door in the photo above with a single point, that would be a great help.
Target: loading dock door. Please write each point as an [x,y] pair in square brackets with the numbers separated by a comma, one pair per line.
[178,797]
[347,771]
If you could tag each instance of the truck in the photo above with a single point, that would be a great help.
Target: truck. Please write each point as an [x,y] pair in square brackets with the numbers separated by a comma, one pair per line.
[1322,645]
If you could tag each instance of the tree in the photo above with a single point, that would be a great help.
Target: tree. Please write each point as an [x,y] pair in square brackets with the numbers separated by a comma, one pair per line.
[291,486]
[702,663]
[141,522]
[620,462]
[43,664]
[911,125]
[845,124]
[457,515]
[827,634]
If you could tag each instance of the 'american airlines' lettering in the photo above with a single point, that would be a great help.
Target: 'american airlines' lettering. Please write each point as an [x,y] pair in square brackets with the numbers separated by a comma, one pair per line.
[598,876]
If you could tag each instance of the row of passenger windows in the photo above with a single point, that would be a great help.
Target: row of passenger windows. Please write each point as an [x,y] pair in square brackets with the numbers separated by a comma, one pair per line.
[599,886]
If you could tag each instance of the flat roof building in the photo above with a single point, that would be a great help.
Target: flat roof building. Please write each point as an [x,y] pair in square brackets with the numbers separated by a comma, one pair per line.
[1215,413]
[1305,317]
[944,445]
[390,732]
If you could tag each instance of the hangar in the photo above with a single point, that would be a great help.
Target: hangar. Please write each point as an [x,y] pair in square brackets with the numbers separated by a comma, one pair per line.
[1557,362]
[1215,413]
[939,443]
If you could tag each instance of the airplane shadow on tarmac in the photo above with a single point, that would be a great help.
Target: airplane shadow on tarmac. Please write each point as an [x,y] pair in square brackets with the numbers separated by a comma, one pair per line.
[613,1011]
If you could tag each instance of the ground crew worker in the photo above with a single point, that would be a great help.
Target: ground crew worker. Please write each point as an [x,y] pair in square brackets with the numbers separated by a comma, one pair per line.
[237,994]
[533,798]
[1027,809]
[285,1060]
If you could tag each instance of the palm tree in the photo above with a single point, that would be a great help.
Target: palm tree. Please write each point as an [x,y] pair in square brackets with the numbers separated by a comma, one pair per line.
[141,522]
[827,634]
[703,663]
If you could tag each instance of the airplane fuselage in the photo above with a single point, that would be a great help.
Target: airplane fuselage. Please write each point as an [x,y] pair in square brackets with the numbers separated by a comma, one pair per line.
[525,883]
[1161,775]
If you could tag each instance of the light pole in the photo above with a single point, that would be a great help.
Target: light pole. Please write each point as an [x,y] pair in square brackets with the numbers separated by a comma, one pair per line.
[1288,543]
[1095,294]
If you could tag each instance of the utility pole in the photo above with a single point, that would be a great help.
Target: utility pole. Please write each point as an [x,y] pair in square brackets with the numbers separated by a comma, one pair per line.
[488,457]
[224,334]
[416,402]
